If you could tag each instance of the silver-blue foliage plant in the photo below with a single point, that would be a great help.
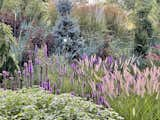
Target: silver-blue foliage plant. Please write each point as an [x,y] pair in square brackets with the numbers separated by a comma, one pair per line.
[67,32]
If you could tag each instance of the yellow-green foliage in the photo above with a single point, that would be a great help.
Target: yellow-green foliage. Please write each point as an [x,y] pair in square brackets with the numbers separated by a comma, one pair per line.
[137,108]
[51,13]
[154,16]
[116,18]
[91,17]
[36,11]
[36,104]
[6,39]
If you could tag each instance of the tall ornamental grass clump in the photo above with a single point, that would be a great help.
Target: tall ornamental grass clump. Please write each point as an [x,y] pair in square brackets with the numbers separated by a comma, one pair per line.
[119,84]
[134,107]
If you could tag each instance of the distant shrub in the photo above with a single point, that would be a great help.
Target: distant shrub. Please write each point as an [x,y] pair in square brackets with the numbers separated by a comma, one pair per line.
[9,19]
[50,42]
[37,37]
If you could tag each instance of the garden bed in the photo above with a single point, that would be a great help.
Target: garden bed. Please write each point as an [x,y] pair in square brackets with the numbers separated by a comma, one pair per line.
[36,104]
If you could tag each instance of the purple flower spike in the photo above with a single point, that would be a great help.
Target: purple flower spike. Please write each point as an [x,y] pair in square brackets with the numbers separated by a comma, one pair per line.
[50,90]
[30,69]
[37,61]
[94,95]
[88,96]
[73,66]
[55,86]
[84,56]
[48,85]
[110,60]
[4,73]
[58,91]
[102,101]
[99,87]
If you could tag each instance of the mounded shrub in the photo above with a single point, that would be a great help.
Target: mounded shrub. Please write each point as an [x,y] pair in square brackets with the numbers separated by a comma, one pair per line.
[35,104]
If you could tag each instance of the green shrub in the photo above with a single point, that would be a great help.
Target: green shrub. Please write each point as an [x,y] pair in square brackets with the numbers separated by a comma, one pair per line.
[7,60]
[35,104]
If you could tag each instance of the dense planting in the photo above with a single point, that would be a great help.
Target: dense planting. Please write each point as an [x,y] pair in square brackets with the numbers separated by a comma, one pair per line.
[105,52]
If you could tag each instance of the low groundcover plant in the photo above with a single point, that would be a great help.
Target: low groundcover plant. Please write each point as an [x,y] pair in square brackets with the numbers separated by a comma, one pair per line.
[36,104]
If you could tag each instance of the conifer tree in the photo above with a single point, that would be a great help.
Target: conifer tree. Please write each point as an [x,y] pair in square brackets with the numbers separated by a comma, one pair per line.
[66,32]
[7,60]
[143,31]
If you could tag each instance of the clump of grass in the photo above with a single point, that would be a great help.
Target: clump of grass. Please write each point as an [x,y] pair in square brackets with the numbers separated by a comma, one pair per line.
[134,107]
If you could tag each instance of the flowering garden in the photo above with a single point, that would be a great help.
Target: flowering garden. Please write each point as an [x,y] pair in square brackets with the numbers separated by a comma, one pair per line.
[67,60]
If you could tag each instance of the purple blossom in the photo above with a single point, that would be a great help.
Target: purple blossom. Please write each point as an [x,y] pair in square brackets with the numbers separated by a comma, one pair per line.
[37,61]
[58,91]
[46,86]
[30,66]
[84,56]
[110,60]
[50,90]
[93,95]
[88,96]
[101,101]
[19,72]
[98,63]
[55,86]
[4,73]
[73,93]
[99,87]
[93,60]
[73,66]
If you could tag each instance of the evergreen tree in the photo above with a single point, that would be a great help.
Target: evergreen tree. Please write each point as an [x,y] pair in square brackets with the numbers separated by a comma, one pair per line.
[143,31]
[66,32]
[7,60]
